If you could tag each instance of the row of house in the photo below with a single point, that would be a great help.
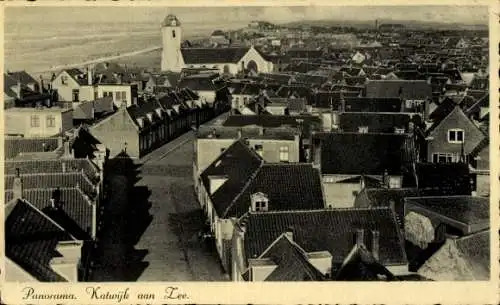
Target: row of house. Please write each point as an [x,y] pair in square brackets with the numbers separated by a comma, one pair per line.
[54,195]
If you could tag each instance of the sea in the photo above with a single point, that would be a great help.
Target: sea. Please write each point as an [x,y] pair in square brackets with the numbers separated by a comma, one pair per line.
[50,46]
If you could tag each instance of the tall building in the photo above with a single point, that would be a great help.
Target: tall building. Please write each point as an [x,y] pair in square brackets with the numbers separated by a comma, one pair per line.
[171,57]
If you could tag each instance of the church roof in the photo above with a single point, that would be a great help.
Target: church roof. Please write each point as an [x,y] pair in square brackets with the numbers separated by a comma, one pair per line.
[213,55]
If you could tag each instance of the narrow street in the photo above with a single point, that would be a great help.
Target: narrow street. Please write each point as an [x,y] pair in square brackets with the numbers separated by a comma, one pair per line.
[150,232]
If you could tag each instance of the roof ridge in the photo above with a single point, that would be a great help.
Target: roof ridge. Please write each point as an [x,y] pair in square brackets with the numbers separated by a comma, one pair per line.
[39,189]
[48,174]
[45,216]
[250,179]
[321,210]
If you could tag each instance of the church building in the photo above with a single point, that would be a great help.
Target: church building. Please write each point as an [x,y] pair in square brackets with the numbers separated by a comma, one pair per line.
[228,60]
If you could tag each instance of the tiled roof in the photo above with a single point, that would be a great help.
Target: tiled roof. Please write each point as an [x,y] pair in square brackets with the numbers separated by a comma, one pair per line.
[370,104]
[78,75]
[325,230]
[15,146]
[306,122]
[361,265]
[384,197]
[296,105]
[53,180]
[76,214]
[141,111]
[475,249]
[483,101]
[281,77]
[104,104]
[238,163]
[83,111]
[295,90]
[52,166]
[287,186]
[199,83]
[407,89]
[328,99]
[464,209]
[376,121]
[363,153]
[213,55]
[291,262]
[446,106]
[449,178]
[31,239]
[304,53]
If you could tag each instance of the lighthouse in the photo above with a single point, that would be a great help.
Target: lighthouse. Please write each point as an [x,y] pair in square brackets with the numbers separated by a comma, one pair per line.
[171,56]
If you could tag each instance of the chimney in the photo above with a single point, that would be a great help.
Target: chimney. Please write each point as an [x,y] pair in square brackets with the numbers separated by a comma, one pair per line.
[90,76]
[18,186]
[41,85]
[261,131]
[239,133]
[360,237]
[375,244]
[56,198]
[60,141]
[67,148]
[63,167]
[386,178]
[289,233]
[18,93]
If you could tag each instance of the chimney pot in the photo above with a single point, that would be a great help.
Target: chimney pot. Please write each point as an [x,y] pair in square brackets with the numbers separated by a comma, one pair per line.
[17,188]
[289,233]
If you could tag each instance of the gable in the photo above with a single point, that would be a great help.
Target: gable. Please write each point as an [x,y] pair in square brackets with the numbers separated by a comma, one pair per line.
[457,119]
[70,80]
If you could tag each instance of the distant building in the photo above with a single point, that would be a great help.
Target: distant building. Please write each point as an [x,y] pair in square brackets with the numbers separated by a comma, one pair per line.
[230,60]
[38,121]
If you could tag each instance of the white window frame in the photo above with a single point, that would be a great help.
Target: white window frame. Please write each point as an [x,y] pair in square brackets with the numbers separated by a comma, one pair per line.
[35,120]
[51,121]
[449,157]
[455,131]
[394,182]
[363,129]
[284,154]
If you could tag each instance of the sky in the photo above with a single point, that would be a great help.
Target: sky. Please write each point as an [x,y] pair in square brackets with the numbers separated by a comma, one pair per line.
[446,14]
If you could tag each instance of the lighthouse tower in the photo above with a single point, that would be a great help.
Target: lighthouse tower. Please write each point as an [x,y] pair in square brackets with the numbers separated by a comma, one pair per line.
[171,57]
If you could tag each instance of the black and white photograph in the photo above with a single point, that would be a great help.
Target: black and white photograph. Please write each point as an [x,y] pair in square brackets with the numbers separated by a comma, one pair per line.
[247,144]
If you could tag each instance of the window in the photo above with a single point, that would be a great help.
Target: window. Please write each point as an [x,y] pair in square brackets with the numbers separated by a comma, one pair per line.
[445,157]
[363,129]
[394,183]
[76,95]
[118,96]
[35,121]
[64,80]
[455,136]
[259,149]
[284,154]
[51,121]
[260,206]
[399,130]
[173,33]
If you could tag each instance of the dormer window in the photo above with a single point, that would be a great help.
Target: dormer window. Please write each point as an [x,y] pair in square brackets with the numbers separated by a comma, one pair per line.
[140,121]
[399,130]
[158,112]
[363,129]
[455,136]
[260,202]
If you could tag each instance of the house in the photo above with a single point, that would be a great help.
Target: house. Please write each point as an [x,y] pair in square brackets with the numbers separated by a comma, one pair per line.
[38,121]
[460,259]
[371,104]
[350,161]
[379,122]
[324,239]
[136,129]
[208,88]
[415,93]
[37,249]
[218,37]
[272,144]
[19,91]
[451,137]
[75,85]
[239,180]
[432,219]
[228,60]
[89,111]
[67,190]
[162,82]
